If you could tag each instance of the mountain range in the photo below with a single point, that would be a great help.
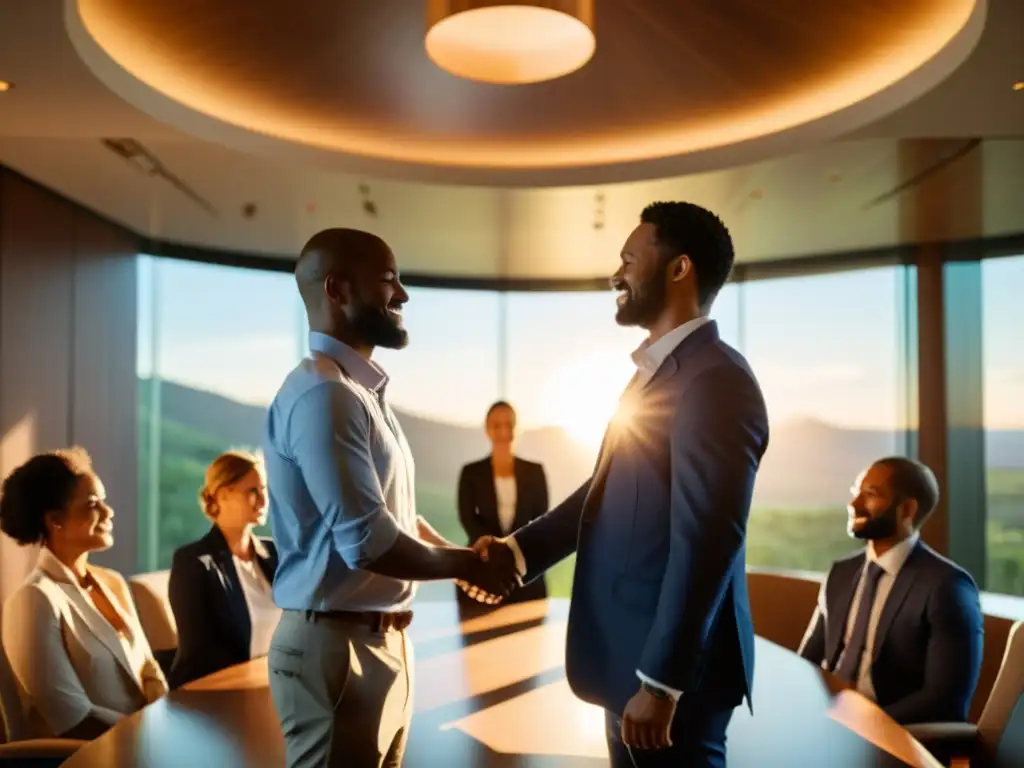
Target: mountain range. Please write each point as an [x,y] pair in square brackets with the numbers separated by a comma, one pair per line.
[809,463]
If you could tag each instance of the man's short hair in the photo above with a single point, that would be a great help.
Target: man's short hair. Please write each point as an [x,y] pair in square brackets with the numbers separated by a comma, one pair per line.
[911,479]
[686,228]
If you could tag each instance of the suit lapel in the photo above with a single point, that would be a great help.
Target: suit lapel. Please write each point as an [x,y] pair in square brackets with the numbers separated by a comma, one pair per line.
[488,496]
[604,459]
[266,559]
[522,489]
[839,609]
[235,597]
[95,621]
[900,589]
[668,368]
[225,571]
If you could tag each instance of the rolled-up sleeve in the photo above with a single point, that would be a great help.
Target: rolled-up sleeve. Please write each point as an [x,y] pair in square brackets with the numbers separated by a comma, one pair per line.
[331,435]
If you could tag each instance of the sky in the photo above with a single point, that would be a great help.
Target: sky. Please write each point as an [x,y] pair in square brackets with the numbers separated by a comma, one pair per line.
[824,347]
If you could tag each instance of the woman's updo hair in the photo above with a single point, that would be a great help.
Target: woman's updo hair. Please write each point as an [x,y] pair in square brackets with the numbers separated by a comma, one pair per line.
[226,469]
[44,483]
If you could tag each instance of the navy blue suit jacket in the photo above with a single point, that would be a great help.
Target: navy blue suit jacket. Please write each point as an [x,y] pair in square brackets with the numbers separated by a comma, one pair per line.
[660,530]
[214,627]
[928,645]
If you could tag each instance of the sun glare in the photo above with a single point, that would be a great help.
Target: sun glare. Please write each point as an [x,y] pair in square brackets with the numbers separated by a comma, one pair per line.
[582,397]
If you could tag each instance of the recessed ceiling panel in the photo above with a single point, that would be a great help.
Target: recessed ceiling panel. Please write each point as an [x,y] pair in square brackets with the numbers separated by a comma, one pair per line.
[673,86]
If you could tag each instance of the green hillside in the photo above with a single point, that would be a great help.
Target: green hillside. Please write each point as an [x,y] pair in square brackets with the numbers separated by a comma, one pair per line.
[785,538]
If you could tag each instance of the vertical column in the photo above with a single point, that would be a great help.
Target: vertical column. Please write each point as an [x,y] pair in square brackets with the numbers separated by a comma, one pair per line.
[965,416]
[945,203]
[104,394]
[907,359]
[149,511]
[36,296]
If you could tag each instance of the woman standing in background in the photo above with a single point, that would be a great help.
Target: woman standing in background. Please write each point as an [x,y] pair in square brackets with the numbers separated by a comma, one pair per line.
[501,493]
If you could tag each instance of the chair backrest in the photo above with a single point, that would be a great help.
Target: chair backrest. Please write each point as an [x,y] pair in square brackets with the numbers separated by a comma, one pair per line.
[782,602]
[1006,692]
[150,593]
[12,715]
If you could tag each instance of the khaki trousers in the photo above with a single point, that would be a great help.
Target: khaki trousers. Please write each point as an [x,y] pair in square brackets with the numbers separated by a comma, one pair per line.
[343,693]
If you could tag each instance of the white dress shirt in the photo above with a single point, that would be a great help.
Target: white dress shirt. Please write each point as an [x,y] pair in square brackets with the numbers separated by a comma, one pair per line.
[890,563]
[648,358]
[340,481]
[259,597]
[505,491]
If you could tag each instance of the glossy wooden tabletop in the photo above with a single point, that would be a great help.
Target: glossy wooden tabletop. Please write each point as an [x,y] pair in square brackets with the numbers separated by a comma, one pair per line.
[492,692]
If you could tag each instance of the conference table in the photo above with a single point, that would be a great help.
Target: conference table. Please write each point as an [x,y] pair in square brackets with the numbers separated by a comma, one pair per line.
[491,691]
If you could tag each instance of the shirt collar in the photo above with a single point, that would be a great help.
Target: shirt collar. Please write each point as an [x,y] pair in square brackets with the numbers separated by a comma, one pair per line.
[364,371]
[894,559]
[649,356]
[54,568]
[260,548]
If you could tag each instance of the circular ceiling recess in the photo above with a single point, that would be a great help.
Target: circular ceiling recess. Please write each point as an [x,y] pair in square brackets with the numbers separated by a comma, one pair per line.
[672,87]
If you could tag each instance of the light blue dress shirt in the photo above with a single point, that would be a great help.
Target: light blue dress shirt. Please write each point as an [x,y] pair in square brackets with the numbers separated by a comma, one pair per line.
[340,483]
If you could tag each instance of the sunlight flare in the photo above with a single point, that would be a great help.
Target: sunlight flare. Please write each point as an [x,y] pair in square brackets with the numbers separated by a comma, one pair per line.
[584,395]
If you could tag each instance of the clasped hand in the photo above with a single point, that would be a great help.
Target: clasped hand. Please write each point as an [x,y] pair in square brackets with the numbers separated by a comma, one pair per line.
[494,575]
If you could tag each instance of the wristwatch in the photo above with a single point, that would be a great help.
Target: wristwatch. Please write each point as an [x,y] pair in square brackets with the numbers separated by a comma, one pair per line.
[657,693]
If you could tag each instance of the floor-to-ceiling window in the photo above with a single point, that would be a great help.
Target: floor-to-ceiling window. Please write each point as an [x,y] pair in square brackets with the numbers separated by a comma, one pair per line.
[829,353]
[215,343]
[1003,360]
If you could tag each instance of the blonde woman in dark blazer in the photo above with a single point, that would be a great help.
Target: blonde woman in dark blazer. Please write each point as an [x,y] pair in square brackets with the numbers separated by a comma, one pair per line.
[220,587]
[71,633]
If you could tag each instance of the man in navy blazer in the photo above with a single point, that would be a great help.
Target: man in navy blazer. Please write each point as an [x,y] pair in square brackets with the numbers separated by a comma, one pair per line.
[660,633]
[898,620]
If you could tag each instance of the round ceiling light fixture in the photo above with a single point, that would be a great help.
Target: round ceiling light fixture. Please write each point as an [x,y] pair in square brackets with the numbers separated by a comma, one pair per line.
[510,43]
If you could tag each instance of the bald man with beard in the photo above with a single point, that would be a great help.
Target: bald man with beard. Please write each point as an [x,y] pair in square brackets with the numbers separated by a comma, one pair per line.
[342,510]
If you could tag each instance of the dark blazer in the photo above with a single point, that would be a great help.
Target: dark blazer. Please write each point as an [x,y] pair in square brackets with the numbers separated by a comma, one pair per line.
[214,628]
[478,508]
[927,649]
[660,530]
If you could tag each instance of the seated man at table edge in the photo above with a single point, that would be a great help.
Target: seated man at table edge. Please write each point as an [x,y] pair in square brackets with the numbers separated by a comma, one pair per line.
[914,645]
[343,515]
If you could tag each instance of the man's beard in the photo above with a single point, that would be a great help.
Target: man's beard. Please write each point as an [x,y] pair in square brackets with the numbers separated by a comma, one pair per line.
[881,526]
[644,304]
[379,328]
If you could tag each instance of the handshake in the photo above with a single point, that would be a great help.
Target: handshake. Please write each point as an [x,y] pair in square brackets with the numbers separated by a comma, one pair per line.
[491,574]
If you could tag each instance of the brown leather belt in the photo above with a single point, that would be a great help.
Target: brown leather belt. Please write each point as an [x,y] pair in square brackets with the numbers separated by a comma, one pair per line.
[377,621]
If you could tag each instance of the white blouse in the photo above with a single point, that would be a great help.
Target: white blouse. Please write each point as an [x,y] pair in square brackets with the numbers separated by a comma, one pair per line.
[505,490]
[263,613]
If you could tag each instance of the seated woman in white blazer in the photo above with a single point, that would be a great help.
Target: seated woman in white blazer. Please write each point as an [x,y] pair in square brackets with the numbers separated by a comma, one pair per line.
[71,631]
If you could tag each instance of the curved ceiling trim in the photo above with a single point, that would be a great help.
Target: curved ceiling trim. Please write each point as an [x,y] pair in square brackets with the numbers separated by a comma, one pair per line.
[857,96]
